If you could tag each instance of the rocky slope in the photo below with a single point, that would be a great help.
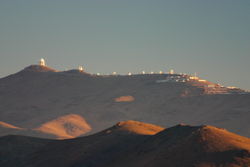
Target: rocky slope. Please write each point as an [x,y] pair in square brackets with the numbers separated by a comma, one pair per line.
[37,95]
[131,143]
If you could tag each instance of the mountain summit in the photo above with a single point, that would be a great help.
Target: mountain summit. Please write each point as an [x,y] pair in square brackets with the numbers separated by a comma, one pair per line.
[38,68]
[178,146]
[38,95]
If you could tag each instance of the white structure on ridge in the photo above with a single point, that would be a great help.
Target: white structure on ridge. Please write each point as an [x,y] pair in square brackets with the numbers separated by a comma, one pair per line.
[129,73]
[80,68]
[143,72]
[194,77]
[42,62]
[171,71]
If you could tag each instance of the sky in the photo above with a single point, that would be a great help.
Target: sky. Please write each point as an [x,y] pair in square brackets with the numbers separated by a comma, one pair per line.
[211,37]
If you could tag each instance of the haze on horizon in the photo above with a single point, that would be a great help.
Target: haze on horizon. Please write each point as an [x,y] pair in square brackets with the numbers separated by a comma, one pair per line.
[208,37]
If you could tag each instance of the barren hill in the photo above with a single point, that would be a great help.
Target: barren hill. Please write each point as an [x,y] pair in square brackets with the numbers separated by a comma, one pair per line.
[183,145]
[68,126]
[38,95]
[8,126]
[121,145]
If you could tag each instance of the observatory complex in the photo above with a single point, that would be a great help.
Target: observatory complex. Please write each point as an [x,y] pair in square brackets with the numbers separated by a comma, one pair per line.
[173,77]
[42,62]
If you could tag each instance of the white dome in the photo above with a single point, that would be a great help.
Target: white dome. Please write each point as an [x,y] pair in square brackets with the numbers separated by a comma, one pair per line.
[42,62]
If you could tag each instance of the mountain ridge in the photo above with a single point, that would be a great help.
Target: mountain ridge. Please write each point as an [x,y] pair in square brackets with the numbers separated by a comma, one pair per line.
[31,99]
[181,145]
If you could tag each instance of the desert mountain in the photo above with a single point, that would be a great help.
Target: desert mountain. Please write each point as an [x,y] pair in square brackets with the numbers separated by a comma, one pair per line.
[183,145]
[135,127]
[38,94]
[122,145]
[100,146]
[38,68]
[67,126]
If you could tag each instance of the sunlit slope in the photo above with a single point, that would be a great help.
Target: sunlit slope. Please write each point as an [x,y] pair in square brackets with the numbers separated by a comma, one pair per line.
[135,127]
[183,145]
[68,126]
[6,129]
[6,125]
[125,144]
[94,150]
[31,98]
[64,127]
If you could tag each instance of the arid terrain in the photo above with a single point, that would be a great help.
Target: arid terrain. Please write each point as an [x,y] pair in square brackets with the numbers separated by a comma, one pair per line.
[42,102]
[131,143]
[124,83]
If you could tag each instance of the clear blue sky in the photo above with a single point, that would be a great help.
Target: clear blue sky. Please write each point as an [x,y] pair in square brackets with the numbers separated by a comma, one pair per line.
[210,37]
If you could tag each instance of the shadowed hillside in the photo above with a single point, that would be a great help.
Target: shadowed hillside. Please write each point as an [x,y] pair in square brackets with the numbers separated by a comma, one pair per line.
[126,144]
[38,94]
[14,149]
[67,126]
[183,145]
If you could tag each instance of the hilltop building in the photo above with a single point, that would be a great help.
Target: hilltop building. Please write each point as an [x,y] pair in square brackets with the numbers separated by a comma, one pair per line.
[171,71]
[80,68]
[42,62]
[174,78]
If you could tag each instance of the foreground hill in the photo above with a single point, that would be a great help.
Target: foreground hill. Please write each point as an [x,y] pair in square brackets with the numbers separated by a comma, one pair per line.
[14,148]
[67,126]
[183,145]
[37,96]
[133,144]
[93,150]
